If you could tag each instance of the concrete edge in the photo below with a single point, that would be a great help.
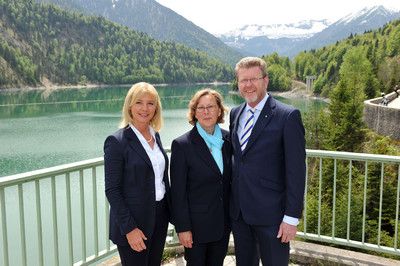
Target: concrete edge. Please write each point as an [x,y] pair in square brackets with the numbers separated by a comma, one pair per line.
[304,253]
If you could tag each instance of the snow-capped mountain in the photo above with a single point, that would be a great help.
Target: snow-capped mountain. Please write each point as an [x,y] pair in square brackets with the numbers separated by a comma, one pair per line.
[300,30]
[290,39]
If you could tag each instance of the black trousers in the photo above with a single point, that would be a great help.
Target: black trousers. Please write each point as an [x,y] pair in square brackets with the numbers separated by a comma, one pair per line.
[152,255]
[207,254]
[253,242]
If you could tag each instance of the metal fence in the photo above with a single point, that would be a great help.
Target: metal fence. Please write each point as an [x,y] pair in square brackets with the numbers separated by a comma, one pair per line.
[59,215]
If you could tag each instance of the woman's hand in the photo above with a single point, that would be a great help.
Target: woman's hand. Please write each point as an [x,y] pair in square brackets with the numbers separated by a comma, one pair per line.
[185,238]
[135,239]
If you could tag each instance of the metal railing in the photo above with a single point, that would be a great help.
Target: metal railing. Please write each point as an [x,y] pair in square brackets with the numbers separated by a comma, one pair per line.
[368,179]
[55,216]
[59,215]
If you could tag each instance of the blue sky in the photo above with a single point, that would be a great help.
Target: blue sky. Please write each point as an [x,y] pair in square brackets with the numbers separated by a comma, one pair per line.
[220,16]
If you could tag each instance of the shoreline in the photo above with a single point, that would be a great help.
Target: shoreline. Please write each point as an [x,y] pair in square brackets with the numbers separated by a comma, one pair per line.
[295,93]
[300,94]
[56,87]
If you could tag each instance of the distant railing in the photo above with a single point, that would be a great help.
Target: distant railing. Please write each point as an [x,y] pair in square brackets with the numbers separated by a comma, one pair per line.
[59,215]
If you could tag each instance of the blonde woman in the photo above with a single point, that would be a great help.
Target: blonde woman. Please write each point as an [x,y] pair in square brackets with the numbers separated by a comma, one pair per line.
[136,180]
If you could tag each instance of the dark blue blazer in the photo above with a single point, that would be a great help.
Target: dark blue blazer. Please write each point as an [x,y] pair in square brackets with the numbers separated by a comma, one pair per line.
[199,192]
[130,185]
[269,176]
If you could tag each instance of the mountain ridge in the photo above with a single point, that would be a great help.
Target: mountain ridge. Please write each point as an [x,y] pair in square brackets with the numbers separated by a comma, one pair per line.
[160,23]
[289,44]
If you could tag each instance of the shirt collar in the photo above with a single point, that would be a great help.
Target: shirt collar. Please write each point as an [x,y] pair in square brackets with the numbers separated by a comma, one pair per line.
[260,105]
[138,134]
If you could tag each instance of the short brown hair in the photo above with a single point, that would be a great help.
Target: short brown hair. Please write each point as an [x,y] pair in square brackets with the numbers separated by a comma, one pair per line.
[136,92]
[195,101]
[248,62]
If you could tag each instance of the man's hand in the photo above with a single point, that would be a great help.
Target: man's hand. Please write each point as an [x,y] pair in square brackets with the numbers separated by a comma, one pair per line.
[135,239]
[185,238]
[286,232]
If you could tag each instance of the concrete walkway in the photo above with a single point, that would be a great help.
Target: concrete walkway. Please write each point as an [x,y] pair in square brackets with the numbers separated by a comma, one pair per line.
[302,253]
[395,103]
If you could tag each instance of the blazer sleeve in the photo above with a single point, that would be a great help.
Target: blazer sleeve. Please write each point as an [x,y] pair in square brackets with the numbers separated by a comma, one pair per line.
[179,197]
[295,163]
[114,174]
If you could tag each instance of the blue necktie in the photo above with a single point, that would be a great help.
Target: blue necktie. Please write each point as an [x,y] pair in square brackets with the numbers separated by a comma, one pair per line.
[247,129]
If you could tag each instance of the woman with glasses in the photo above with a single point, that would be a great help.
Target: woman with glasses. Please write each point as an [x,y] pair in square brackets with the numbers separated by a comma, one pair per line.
[200,178]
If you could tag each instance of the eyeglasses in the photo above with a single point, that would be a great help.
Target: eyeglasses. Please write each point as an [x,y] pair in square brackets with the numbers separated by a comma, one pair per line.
[210,108]
[253,80]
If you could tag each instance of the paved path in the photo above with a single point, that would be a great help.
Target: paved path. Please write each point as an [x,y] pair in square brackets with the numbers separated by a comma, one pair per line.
[229,261]
[301,252]
[395,103]
[180,261]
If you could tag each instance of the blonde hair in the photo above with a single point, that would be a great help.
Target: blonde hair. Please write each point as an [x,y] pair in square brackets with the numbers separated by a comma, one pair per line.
[136,92]
[195,101]
[249,62]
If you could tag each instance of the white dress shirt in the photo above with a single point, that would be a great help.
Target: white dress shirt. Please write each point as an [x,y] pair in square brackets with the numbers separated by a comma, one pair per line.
[157,160]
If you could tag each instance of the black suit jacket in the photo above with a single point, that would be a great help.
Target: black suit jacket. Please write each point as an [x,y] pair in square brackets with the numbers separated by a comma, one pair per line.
[199,192]
[130,185]
[269,176]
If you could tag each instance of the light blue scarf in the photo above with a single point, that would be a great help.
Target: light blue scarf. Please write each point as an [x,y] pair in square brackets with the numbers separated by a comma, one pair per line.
[214,142]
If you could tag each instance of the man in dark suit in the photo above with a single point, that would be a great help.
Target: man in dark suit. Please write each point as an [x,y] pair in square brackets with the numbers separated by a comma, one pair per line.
[268,170]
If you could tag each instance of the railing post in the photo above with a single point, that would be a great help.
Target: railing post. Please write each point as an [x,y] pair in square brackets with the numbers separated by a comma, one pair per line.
[95,221]
[380,205]
[349,201]
[39,222]
[4,226]
[55,224]
[305,199]
[83,218]
[364,202]
[69,218]
[334,197]
[22,223]
[319,196]
[397,208]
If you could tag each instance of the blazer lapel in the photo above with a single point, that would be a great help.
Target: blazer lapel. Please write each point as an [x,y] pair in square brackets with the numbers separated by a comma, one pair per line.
[200,147]
[234,133]
[158,140]
[135,144]
[263,120]
[166,181]
[226,150]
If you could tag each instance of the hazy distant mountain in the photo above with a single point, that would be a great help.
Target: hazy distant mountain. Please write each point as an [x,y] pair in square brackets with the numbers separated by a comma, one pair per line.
[257,40]
[160,23]
[354,23]
[290,39]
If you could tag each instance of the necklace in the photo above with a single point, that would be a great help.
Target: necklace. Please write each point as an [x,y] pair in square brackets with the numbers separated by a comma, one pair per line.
[151,137]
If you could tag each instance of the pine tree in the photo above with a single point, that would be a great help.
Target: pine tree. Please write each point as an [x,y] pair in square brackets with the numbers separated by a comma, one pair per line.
[346,108]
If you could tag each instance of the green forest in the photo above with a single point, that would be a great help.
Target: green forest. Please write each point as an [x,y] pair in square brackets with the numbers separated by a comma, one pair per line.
[42,41]
[377,54]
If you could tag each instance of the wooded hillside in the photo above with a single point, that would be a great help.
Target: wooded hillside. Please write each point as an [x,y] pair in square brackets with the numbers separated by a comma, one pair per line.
[43,41]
